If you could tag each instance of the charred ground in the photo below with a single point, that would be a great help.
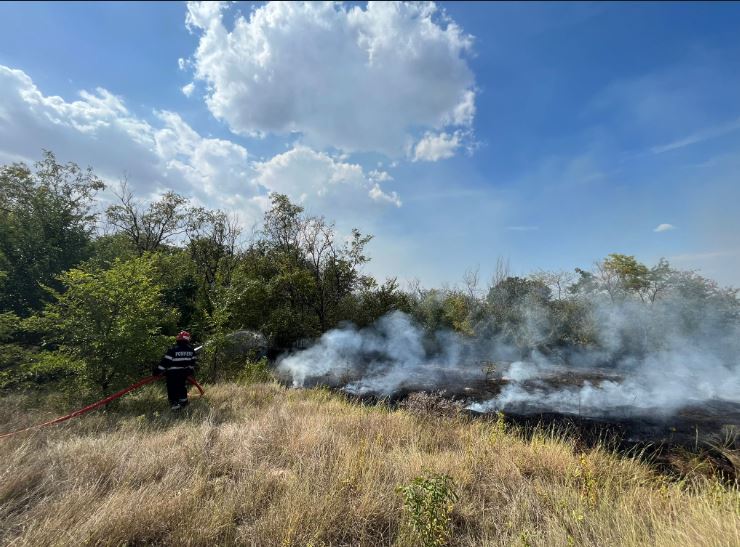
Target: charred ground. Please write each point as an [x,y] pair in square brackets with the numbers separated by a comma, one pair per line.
[699,437]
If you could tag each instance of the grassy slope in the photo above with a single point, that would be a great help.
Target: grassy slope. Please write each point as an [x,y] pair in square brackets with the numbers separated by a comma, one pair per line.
[262,465]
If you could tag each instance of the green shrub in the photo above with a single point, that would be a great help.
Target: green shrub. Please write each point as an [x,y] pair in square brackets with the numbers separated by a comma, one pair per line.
[428,503]
[255,371]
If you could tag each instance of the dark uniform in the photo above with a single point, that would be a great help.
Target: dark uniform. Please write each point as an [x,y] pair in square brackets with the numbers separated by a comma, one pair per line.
[177,364]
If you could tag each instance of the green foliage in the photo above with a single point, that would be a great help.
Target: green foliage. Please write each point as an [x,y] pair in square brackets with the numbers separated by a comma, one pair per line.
[457,312]
[372,302]
[571,323]
[8,326]
[631,274]
[56,368]
[109,300]
[621,276]
[446,309]
[148,227]
[106,249]
[46,223]
[109,320]
[255,371]
[12,354]
[177,276]
[514,291]
[297,281]
[215,361]
[212,247]
[520,310]
[428,503]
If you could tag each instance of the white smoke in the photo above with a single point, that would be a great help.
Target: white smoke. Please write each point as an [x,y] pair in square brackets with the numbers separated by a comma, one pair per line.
[381,359]
[663,382]
[648,359]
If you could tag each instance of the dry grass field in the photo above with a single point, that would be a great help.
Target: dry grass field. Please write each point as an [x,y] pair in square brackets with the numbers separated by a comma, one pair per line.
[264,465]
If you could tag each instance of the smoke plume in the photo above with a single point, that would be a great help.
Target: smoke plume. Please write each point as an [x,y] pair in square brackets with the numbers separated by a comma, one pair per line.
[653,358]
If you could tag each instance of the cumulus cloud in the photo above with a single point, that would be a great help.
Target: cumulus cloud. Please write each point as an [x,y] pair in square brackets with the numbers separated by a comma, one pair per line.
[188,89]
[379,195]
[376,175]
[664,228]
[164,152]
[99,130]
[308,174]
[435,147]
[346,77]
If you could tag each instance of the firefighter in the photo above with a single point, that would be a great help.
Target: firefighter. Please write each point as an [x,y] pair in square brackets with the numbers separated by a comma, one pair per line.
[177,364]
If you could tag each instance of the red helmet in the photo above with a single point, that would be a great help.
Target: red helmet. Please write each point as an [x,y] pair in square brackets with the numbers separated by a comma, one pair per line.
[183,336]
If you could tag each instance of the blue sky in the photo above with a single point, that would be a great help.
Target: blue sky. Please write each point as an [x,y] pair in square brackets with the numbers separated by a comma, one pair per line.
[548,134]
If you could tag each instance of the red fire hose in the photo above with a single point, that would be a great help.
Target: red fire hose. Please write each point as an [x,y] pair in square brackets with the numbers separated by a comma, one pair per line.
[88,408]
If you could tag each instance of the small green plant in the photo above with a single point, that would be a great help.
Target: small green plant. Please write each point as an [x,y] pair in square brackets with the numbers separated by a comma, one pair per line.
[500,422]
[255,371]
[428,503]
[586,478]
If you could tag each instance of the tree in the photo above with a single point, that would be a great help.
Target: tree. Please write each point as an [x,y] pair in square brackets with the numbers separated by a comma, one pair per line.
[150,227]
[373,302]
[520,310]
[558,282]
[621,275]
[46,226]
[283,224]
[110,320]
[212,238]
[585,284]
[12,353]
[657,281]
[514,290]
[302,246]
[106,248]
[471,279]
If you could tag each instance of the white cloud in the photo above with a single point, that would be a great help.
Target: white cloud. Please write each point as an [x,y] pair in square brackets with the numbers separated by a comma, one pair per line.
[217,167]
[166,153]
[664,228]
[347,77]
[188,89]
[464,112]
[379,195]
[435,147]
[203,15]
[308,175]
[377,175]
[98,130]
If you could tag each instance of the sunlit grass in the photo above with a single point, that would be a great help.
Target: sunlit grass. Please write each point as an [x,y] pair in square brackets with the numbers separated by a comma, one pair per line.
[263,465]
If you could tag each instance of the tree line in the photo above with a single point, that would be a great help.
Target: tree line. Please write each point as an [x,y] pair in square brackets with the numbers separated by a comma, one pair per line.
[91,298]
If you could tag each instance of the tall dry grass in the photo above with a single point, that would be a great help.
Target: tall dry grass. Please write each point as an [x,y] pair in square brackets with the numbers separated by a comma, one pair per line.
[262,465]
